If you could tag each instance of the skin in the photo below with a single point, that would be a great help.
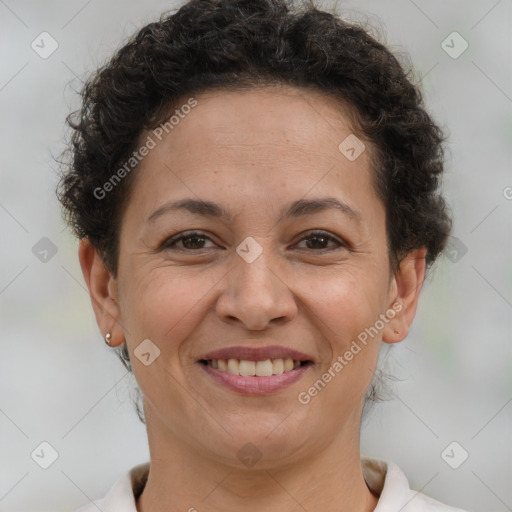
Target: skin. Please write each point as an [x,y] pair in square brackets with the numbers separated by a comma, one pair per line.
[254,152]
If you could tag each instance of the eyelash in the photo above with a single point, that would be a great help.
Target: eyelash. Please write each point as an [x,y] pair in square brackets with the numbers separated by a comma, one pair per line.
[170,242]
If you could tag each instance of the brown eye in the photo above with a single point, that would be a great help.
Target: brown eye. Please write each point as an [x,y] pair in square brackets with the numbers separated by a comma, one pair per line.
[191,241]
[195,240]
[318,240]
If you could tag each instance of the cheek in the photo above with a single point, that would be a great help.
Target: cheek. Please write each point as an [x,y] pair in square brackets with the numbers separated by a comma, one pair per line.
[348,305]
[164,305]
[347,299]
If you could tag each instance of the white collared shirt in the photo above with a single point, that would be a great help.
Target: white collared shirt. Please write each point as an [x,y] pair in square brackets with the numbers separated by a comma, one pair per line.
[385,480]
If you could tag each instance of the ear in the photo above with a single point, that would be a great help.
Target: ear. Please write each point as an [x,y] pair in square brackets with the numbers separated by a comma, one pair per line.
[404,295]
[102,290]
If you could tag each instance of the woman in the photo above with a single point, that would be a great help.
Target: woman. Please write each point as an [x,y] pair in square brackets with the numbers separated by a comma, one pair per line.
[255,190]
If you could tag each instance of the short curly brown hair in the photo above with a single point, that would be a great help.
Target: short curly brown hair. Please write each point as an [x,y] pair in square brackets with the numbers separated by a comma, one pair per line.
[242,44]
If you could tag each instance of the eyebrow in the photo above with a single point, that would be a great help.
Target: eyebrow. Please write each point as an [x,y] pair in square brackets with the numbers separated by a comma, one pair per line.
[298,208]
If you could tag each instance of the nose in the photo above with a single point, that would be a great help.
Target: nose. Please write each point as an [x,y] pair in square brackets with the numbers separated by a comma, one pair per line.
[256,293]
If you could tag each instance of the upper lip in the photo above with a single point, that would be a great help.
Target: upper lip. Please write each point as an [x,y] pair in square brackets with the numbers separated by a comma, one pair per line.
[257,353]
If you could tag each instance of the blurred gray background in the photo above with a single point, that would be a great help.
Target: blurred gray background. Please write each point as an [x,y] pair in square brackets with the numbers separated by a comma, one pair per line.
[60,384]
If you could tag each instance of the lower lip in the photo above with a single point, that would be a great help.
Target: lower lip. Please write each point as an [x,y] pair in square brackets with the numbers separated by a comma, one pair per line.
[256,385]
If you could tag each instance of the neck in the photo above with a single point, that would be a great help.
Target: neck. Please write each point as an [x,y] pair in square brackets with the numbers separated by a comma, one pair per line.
[182,478]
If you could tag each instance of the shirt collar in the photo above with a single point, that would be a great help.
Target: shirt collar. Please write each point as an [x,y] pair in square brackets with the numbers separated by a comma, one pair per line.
[122,496]
[384,479]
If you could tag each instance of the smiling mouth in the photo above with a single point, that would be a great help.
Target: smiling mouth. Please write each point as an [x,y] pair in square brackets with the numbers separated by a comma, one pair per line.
[246,368]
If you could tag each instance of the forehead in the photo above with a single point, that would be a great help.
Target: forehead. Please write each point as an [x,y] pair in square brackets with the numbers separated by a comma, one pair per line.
[297,119]
[259,144]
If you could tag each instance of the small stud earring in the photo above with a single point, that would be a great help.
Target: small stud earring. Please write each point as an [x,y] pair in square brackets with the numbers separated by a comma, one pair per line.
[397,332]
[108,336]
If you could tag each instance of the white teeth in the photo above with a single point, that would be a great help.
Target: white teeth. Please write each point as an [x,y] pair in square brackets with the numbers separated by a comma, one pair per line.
[233,366]
[247,368]
[288,365]
[277,366]
[264,368]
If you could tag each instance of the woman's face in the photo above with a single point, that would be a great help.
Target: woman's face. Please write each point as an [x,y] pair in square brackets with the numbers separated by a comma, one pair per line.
[257,277]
